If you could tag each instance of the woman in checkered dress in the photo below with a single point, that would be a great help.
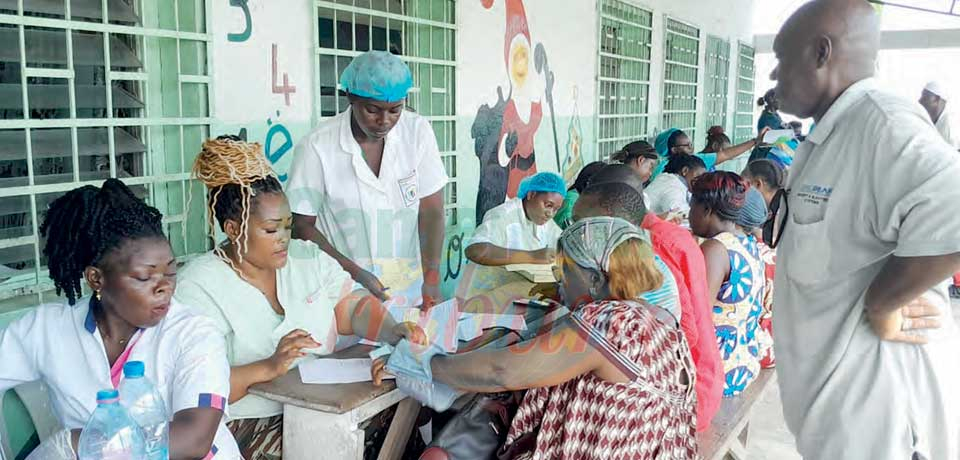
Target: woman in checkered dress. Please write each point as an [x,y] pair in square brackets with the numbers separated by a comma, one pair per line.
[613,380]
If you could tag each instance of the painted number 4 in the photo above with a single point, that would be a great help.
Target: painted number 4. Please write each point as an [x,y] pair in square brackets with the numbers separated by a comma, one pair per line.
[286,89]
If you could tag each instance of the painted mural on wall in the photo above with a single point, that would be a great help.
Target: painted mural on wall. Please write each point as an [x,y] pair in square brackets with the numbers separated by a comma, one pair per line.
[262,73]
[504,133]
[574,159]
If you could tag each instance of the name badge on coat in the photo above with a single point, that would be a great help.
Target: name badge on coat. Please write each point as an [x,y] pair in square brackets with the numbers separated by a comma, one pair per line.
[408,189]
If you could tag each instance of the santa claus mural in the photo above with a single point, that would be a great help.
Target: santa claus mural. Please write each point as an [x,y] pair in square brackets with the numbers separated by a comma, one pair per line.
[504,134]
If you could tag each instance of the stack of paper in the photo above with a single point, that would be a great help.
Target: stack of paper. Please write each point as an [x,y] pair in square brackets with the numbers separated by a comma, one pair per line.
[537,273]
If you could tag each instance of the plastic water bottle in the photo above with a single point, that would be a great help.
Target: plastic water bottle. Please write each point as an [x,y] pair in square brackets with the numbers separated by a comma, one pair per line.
[145,405]
[111,434]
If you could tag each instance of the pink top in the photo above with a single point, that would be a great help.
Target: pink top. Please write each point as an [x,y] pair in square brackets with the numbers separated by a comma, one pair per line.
[117,369]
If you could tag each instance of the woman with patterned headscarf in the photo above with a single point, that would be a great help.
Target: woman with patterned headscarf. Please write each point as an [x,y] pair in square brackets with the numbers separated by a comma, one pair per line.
[612,351]
[735,274]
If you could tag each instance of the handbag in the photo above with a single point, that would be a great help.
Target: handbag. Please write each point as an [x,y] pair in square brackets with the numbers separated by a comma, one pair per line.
[478,430]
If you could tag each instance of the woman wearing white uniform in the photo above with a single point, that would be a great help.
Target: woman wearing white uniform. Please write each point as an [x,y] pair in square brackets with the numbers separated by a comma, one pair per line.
[114,242]
[367,185]
[669,193]
[519,231]
[271,298]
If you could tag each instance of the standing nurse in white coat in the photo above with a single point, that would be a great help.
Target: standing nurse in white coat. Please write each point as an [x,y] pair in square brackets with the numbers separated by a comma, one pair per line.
[367,185]
[863,249]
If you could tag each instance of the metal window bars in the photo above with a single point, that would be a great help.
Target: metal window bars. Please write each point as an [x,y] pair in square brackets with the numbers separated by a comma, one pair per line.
[623,77]
[91,89]
[680,76]
[717,82]
[743,118]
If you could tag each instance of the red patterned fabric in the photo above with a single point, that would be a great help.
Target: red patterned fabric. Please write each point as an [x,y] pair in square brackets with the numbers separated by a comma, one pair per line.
[652,417]
[676,246]
[769,256]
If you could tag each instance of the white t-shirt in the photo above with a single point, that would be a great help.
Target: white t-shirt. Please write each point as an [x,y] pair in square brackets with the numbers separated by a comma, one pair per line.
[60,345]
[372,220]
[873,180]
[308,287]
[668,193]
[946,129]
[507,226]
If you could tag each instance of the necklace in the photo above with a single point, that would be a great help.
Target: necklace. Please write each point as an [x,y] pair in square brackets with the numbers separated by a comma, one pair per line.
[120,341]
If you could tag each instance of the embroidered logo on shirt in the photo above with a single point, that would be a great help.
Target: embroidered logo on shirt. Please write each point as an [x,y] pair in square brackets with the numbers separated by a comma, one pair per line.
[408,189]
[815,194]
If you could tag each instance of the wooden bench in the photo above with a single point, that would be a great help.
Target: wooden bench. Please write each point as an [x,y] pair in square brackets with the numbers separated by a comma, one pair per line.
[727,436]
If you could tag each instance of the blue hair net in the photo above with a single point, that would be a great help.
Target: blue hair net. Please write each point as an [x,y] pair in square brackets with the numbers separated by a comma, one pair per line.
[661,143]
[547,182]
[377,75]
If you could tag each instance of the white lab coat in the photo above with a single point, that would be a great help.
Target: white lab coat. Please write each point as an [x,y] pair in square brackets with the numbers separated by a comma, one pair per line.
[372,220]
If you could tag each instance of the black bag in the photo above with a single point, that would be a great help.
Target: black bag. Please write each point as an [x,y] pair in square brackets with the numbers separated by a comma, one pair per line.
[478,430]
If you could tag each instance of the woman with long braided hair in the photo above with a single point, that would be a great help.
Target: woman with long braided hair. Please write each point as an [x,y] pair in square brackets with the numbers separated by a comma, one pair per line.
[272,298]
[113,242]
[735,274]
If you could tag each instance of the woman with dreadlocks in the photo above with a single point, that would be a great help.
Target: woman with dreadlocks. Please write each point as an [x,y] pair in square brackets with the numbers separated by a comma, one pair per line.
[272,298]
[113,242]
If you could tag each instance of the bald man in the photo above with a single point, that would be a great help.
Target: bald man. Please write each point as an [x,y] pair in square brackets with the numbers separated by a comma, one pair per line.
[865,248]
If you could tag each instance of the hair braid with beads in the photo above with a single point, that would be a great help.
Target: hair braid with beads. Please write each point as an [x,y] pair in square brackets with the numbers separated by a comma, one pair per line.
[235,172]
[87,223]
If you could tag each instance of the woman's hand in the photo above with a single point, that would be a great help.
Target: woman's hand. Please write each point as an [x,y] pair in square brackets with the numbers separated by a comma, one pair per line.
[543,256]
[545,291]
[378,371]
[410,331]
[431,295]
[763,132]
[901,325]
[289,349]
[370,282]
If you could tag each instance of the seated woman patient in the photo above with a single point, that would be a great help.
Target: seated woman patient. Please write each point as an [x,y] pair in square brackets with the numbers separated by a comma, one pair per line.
[113,242]
[272,298]
[519,231]
[612,351]
[735,275]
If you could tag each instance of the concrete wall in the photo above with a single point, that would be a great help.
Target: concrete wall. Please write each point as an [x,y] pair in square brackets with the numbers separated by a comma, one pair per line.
[263,80]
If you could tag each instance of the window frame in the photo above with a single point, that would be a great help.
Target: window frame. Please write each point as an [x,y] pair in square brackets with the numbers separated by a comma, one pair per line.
[164,189]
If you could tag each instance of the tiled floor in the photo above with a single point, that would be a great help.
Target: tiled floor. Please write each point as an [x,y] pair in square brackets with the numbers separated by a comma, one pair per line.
[769,437]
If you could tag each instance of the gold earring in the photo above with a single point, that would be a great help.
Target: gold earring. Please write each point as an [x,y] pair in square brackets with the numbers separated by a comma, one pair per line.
[97,293]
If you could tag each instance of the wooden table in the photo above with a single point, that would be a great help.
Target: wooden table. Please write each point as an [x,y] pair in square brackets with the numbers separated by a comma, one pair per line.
[323,421]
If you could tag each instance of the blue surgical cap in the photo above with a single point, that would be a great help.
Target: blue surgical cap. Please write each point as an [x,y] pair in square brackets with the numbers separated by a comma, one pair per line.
[546,182]
[377,75]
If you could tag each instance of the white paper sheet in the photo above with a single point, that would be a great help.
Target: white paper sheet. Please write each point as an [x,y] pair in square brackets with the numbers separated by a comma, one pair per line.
[439,323]
[331,371]
[776,134]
